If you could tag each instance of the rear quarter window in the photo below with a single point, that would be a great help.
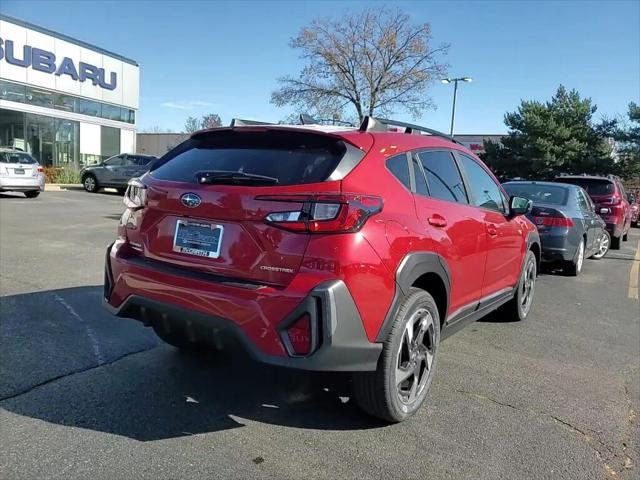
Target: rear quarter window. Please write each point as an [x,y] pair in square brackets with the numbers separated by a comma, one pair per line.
[290,157]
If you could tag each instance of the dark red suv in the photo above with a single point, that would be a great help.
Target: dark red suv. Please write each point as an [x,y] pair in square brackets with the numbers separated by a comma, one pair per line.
[323,248]
[611,200]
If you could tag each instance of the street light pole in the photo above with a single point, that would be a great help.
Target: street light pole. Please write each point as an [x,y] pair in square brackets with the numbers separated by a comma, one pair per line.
[455,94]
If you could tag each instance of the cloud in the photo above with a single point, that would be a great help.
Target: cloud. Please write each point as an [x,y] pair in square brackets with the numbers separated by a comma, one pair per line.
[187,104]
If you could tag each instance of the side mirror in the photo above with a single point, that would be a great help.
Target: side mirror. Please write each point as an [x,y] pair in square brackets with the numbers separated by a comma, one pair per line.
[519,206]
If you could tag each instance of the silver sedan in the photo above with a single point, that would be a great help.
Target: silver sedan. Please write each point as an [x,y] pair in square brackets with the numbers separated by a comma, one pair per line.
[20,172]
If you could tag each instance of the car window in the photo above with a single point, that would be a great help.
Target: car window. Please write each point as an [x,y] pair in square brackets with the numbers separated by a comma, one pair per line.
[400,169]
[421,182]
[538,193]
[443,178]
[114,161]
[486,192]
[16,157]
[582,201]
[292,158]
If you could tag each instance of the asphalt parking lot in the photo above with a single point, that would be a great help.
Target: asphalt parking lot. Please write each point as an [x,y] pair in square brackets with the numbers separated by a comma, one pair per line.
[86,395]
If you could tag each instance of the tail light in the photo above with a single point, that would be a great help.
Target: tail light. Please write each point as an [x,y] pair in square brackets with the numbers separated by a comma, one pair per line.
[38,170]
[135,197]
[299,334]
[553,221]
[324,213]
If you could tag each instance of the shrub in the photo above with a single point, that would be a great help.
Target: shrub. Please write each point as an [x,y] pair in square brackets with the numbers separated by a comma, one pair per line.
[61,175]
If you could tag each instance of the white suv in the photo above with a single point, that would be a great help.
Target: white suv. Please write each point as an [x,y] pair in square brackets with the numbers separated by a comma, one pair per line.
[20,172]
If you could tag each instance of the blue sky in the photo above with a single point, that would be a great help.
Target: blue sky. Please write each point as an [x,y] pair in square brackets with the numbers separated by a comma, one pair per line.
[198,57]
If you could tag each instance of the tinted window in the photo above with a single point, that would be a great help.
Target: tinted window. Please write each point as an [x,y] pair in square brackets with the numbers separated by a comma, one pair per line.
[139,160]
[593,186]
[399,167]
[538,193]
[41,98]
[421,182]
[291,158]
[12,91]
[114,161]
[443,177]
[485,190]
[87,107]
[16,157]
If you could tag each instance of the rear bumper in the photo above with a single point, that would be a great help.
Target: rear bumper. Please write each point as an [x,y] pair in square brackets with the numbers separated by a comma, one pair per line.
[26,184]
[557,248]
[256,317]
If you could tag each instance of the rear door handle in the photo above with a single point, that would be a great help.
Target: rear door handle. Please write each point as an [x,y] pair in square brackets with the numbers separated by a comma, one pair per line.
[491,230]
[437,221]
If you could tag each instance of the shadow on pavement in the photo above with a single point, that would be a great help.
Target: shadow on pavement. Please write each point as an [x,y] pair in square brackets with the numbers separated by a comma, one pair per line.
[112,376]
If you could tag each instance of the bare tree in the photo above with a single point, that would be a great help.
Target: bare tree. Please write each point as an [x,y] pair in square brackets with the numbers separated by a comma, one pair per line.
[211,121]
[376,61]
[192,124]
[155,129]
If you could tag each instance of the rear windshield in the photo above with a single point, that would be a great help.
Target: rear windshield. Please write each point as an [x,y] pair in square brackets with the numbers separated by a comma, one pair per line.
[593,186]
[537,193]
[289,157]
[17,157]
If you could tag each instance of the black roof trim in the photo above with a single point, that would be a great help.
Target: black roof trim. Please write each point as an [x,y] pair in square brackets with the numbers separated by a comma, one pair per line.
[66,38]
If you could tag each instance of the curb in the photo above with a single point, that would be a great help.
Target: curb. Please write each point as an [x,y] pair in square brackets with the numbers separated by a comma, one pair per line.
[57,187]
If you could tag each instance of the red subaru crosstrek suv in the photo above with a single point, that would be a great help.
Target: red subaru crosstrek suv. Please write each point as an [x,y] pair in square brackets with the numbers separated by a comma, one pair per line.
[323,248]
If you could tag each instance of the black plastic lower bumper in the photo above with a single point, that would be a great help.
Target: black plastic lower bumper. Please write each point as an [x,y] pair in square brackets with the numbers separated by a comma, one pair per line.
[341,342]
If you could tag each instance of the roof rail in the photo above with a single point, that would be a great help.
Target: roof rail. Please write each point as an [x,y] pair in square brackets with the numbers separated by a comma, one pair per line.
[371,124]
[238,122]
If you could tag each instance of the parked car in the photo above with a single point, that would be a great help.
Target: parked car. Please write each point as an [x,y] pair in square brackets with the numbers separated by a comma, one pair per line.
[611,202]
[635,210]
[323,248]
[20,172]
[115,172]
[569,227]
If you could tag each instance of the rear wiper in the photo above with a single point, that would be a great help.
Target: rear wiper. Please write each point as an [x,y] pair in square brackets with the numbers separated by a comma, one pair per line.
[212,177]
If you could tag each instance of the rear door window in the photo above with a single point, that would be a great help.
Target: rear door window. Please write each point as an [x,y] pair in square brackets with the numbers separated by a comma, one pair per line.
[289,157]
[485,191]
[443,177]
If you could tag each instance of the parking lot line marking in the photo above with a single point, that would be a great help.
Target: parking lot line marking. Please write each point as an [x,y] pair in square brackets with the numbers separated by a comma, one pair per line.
[97,352]
[633,275]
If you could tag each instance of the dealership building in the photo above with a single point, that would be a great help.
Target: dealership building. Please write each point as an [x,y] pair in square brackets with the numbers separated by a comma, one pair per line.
[66,102]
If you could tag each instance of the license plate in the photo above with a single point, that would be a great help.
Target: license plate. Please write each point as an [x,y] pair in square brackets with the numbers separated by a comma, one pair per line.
[198,238]
[18,171]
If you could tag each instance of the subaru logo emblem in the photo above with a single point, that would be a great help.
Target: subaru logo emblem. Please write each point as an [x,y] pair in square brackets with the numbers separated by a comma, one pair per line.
[190,200]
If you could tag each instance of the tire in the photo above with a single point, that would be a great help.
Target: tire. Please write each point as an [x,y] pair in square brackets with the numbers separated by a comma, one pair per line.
[379,393]
[176,338]
[519,307]
[32,193]
[121,191]
[625,237]
[615,243]
[90,183]
[605,243]
[572,268]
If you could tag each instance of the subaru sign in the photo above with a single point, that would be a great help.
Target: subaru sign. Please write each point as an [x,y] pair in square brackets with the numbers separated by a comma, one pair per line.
[45,61]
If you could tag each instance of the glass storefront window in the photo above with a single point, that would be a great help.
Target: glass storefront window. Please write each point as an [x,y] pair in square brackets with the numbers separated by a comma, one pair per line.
[44,98]
[66,103]
[40,134]
[41,98]
[110,112]
[12,129]
[67,142]
[89,107]
[12,91]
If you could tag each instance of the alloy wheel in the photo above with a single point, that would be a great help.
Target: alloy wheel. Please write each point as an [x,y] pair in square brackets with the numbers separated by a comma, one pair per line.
[604,246]
[89,184]
[528,287]
[415,356]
